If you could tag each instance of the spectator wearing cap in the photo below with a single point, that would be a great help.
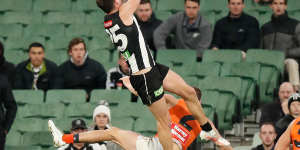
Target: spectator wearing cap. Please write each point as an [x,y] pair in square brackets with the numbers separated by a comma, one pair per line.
[102,119]
[7,69]
[36,72]
[294,112]
[79,126]
[81,72]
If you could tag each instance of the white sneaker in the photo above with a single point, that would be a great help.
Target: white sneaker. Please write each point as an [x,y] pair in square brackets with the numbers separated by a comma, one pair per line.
[212,136]
[56,134]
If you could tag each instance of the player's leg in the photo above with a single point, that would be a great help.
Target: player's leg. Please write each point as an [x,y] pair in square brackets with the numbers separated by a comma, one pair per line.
[175,84]
[125,139]
[161,114]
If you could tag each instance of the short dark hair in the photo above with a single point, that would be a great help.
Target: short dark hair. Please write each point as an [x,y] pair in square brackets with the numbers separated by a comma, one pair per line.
[106,5]
[76,41]
[1,49]
[267,123]
[230,0]
[36,44]
[285,2]
[197,1]
[145,1]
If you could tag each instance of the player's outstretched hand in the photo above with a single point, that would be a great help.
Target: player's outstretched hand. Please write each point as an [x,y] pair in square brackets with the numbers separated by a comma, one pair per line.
[127,83]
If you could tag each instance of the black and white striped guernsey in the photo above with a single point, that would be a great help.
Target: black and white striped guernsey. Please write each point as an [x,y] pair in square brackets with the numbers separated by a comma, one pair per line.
[129,41]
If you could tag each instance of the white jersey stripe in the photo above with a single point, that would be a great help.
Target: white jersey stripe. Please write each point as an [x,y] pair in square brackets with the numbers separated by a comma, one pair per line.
[142,46]
[133,64]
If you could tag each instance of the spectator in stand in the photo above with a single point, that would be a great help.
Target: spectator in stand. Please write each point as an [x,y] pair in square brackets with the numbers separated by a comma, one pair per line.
[102,119]
[237,30]
[267,135]
[147,21]
[114,74]
[274,111]
[36,72]
[294,112]
[79,126]
[8,109]
[192,31]
[283,33]
[81,72]
[6,68]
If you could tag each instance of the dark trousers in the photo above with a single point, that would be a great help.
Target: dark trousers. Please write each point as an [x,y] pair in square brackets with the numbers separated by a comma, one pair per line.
[2,139]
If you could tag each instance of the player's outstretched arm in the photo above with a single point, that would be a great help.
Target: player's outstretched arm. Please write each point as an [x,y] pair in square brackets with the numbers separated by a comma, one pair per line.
[127,10]
[285,139]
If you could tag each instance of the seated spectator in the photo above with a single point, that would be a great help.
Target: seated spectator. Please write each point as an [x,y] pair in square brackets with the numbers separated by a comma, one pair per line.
[81,72]
[274,111]
[283,33]
[267,135]
[8,109]
[147,21]
[237,30]
[294,112]
[102,118]
[79,126]
[37,72]
[6,68]
[192,31]
[114,74]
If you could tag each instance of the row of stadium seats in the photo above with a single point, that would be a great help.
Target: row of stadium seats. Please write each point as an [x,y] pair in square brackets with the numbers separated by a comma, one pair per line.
[90,5]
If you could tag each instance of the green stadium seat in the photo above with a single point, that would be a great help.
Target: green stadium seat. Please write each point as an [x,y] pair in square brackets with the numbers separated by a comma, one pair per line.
[209,111]
[264,18]
[96,17]
[37,139]
[11,30]
[57,56]
[252,6]
[175,6]
[28,96]
[210,17]
[207,69]
[85,30]
[222,56]
[125,123]
[293,5]
[23,43]
[29,125]
[146,125]
[213,5]
[101,42]
[272,67]
[86,6]
[15,56]
[16,5]
[23,147]
[101,56]
[176,57]
[79,111]
[64,124]
[249,73]
[42,111]
[113,97]
[64,18]
[66,96]
[13,138]
[45,30]
[295,15]
[61,43]
[163,14]
[53,5]
[21,18]
[130,109]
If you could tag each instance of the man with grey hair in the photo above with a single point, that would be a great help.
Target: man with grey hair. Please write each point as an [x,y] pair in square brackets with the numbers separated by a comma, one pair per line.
[274,111]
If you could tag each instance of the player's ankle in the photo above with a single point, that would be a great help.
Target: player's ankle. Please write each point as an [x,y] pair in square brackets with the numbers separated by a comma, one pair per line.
[206,127]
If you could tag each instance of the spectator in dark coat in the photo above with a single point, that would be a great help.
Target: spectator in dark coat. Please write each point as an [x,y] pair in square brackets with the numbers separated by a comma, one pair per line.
[6,68]
[36,72]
